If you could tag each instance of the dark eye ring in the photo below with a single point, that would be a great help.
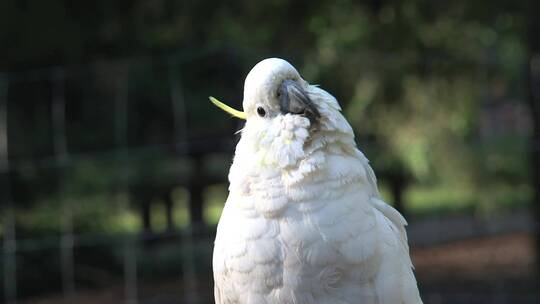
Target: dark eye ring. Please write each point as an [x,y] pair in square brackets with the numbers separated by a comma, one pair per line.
[261,111]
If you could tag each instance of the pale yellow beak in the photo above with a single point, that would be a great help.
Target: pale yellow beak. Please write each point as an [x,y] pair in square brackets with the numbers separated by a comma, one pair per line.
[226,108]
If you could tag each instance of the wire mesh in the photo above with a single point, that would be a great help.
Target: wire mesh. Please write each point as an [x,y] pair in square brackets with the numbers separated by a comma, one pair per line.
[62,161]
[129,247]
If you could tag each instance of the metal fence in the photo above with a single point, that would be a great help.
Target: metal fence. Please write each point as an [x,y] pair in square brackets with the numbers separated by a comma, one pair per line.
[61,160]
[131,251]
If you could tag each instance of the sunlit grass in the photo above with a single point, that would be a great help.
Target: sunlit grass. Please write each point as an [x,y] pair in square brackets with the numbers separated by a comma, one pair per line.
[126,221]
[114,214]
[438,199]
[180,197]
[215,197]
[447,199]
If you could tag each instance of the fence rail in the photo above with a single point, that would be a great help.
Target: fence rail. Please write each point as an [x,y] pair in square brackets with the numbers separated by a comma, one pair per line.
[69,241]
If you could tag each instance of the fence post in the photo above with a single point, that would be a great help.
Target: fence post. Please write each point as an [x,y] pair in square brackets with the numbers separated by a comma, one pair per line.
[180,133]
[178,102]
[10,242]
[62,161]
[121,127]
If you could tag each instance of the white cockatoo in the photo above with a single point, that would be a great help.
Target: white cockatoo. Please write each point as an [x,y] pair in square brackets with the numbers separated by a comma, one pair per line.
[304,221]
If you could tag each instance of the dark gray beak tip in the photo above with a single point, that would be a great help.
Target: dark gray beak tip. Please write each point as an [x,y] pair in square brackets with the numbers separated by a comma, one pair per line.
[293,99]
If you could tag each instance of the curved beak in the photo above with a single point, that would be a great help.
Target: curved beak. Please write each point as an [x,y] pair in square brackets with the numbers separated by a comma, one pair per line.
[293,99]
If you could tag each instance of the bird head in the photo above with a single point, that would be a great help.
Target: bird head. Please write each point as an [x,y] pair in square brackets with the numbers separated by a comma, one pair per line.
[273,88]
[284,113]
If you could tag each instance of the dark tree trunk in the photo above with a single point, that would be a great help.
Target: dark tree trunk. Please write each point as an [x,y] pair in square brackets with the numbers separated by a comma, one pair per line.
[146,215]
[196,187]
[169,210]
[397,187]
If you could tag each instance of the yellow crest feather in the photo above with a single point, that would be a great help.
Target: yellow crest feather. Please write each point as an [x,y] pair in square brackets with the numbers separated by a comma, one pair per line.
[226,108]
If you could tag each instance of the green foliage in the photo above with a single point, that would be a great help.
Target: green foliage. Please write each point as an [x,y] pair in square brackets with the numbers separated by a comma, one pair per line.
[414,78]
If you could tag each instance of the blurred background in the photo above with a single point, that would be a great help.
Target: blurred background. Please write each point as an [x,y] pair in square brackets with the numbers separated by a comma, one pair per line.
[113,162]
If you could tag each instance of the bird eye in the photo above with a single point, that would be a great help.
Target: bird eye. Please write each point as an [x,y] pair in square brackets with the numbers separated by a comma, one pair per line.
[261,111]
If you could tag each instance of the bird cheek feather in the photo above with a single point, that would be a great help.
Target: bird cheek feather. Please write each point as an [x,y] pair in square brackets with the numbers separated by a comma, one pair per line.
[281,142]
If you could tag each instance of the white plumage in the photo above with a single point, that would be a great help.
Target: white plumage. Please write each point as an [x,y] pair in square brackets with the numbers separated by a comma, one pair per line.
[304,221]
